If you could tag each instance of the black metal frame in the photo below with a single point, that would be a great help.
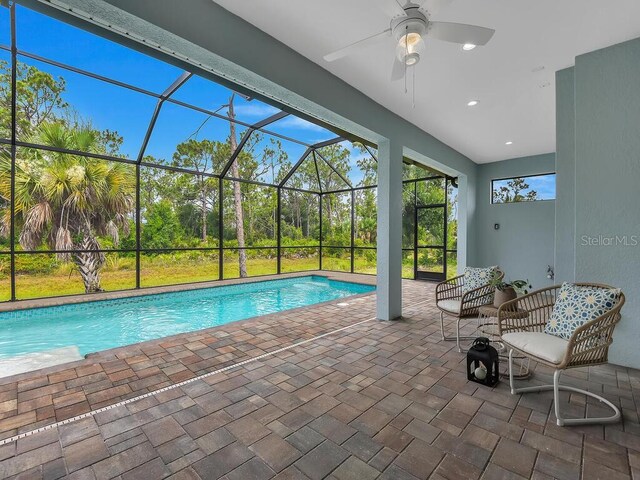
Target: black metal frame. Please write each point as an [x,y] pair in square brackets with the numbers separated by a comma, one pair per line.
[424,274]
[312,153]
[446,251]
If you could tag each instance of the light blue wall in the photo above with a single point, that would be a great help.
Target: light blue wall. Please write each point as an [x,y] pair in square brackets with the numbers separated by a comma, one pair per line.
[607,181]
[565,177]
[524,244]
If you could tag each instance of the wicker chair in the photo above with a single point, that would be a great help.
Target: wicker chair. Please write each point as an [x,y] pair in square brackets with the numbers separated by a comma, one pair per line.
[589,345]
[453,301]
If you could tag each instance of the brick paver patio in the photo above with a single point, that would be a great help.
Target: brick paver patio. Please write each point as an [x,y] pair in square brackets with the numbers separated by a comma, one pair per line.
[383,400]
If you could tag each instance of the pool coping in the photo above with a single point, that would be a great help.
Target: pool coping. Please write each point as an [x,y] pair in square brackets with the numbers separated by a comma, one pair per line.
[115,295]
[113,353]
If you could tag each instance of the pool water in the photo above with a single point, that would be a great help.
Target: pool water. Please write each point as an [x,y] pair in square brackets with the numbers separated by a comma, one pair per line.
[100,325]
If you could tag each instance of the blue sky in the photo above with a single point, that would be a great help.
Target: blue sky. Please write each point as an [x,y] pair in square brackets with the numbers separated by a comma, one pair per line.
[544,185]
[128,112]
[5,33]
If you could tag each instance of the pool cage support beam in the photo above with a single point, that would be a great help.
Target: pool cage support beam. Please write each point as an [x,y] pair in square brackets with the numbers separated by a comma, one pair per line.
[14,123]
[269,120]
[320,242]
[138,226]
[347,182]
[315,162]
[353,228]
[295,167]
[245,138]
[278,232]
[375,159]
[177,83]
[243,141]
[327,143]
[220,228]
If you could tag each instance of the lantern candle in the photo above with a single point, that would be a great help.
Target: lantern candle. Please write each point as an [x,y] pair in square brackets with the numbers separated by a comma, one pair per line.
[480,373]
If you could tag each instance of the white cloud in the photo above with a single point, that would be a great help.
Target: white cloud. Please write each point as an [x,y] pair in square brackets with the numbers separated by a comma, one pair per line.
[255,110]
[296,122]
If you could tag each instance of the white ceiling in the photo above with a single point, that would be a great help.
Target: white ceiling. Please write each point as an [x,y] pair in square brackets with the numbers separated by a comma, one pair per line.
[512,77]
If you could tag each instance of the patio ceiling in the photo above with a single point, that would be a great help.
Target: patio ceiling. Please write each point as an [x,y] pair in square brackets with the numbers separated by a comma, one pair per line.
[512,77]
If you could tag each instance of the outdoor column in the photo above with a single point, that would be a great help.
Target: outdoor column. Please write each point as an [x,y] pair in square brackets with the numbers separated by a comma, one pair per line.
[389,289]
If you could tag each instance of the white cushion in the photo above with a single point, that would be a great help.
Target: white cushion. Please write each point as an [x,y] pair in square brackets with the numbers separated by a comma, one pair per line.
[541,345]
[452,306]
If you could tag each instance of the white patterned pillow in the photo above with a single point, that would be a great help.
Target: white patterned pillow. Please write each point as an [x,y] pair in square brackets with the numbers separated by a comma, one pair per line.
[477,277]
[577,305]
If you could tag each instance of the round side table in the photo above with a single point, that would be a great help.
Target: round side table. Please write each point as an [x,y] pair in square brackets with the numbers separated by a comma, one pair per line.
[488,327]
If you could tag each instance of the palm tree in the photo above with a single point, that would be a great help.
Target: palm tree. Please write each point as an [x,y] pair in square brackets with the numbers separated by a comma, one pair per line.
[69,200]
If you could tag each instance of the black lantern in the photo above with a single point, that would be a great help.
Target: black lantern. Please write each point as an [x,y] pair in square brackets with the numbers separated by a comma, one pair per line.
[482,363]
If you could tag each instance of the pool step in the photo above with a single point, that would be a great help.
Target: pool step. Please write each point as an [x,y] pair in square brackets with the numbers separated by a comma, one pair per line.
[34,361]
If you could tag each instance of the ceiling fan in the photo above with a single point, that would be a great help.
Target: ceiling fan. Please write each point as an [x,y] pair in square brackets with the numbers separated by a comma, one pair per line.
[410,26]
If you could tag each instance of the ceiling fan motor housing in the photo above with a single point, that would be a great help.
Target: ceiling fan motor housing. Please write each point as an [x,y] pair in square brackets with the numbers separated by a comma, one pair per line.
[415,21]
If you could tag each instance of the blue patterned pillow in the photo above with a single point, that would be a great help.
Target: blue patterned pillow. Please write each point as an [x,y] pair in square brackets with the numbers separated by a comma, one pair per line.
[477,277]
[578,305]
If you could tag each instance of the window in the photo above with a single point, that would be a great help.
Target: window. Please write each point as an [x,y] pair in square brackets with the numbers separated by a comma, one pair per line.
[530,188]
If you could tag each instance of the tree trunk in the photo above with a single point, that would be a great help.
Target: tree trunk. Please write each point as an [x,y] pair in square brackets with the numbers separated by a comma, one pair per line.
[204,214]
[237,195]
[89,263]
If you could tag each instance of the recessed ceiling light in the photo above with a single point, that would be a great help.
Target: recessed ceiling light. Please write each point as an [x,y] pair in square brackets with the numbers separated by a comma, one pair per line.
[468,46]
[508,143]
[472,103]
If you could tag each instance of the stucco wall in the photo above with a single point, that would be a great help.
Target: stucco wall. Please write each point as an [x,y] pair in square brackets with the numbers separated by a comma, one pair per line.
[565,248]
[524,244]
[607,181]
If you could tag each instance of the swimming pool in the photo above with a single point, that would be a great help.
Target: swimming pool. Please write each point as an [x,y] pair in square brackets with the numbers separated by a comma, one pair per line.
[100,325]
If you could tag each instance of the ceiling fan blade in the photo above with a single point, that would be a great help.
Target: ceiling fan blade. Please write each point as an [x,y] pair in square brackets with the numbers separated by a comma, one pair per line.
[460,33]
[354,47]
[398,70]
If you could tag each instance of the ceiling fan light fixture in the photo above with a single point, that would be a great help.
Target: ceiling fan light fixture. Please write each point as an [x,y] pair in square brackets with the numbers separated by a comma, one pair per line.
[410,47]
[411,59]
[410,40]
[468,47]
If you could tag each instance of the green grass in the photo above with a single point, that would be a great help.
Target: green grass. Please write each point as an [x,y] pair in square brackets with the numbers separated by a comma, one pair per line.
[119,273]
[170,269]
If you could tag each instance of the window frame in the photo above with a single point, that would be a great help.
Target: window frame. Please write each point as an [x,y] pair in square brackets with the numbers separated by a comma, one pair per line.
[545,174]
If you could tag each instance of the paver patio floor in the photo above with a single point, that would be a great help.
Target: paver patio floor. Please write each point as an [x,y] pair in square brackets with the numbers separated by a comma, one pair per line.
[376,400]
